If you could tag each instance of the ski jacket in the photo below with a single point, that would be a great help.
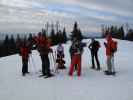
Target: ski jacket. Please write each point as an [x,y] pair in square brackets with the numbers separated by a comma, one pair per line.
[109,45]
[76,48]
[24,52]
[43,45]
[94,46]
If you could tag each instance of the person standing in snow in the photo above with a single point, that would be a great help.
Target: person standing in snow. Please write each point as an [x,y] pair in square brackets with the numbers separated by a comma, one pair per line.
[111,48]
[60,56]
[43,46]
[24,52]
[76,50]
[94,47]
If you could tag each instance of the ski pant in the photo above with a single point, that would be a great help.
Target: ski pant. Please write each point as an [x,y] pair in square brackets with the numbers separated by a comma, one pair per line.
[76,59]
[24,66]
[94,56]
[45,65]
[110,63]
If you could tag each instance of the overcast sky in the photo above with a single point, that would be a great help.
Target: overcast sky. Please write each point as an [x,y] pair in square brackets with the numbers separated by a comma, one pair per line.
[31,15]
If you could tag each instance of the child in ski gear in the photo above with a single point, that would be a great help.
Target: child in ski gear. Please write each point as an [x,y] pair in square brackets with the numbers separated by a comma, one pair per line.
[43,47]
[76,49]
[60,50]
[94,47]
[111,48]
[24,52]
[60,56]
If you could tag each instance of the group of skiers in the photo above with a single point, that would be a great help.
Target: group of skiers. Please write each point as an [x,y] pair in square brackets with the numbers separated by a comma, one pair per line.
[42,44]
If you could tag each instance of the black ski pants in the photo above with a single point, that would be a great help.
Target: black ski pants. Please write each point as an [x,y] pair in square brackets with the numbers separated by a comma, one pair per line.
[45,65]
[24,66]
[94,56]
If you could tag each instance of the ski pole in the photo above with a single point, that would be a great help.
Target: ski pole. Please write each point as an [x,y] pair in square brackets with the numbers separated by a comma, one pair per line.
[33,62]
[113,64]
[54,59]
[54,63]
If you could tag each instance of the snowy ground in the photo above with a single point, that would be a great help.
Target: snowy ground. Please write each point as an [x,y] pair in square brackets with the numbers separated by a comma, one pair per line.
[92,85]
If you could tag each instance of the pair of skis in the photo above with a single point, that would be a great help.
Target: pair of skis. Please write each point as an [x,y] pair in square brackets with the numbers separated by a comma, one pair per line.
[53,55]
[55,69]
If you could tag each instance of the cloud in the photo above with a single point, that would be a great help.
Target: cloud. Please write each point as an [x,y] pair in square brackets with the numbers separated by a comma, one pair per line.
[31,15]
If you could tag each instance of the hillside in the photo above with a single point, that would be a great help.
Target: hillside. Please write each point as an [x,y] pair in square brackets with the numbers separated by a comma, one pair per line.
[92,85]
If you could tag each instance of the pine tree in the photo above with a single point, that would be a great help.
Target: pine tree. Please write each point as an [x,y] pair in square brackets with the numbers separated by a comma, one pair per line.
[129,35]
[6,41]
[122,35]
[44,32]
[53,36]
[12,45]
[12,41]
[18,38]
[76,33]
[103,30]
[119,33]
[6,45]
[30,37]
[64,35]
[18,43]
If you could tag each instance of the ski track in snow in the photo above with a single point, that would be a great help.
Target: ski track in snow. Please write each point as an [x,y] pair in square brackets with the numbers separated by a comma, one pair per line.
[92,85]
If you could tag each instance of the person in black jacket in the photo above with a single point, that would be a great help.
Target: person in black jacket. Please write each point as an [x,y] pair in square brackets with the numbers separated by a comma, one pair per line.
[94,47]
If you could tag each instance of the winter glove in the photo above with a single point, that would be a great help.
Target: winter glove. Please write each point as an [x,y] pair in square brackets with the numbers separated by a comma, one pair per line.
[50,50]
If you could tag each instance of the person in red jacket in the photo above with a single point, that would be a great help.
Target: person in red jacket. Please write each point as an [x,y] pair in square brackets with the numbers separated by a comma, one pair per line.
[43,47]
[110,50]
[24,52]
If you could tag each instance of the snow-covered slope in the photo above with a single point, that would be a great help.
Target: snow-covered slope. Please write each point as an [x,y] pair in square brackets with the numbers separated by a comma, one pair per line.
[92,85]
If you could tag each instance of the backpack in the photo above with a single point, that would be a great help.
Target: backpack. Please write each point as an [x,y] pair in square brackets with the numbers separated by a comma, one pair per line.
[114,46]
[97,45]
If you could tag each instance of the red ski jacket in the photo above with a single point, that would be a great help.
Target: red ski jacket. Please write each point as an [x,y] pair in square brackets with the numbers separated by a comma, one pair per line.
[109,45]
[24,52]
[43,45]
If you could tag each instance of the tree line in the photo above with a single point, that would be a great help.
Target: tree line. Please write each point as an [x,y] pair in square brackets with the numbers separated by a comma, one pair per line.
[118,32]
[9,45]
